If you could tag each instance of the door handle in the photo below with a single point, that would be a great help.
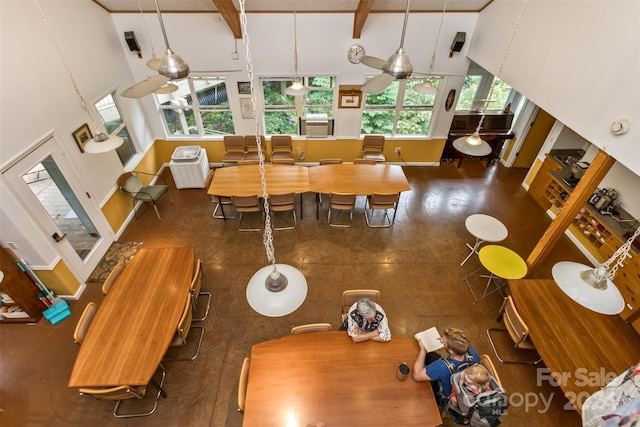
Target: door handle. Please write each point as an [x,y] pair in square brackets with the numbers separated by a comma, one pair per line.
[58,237]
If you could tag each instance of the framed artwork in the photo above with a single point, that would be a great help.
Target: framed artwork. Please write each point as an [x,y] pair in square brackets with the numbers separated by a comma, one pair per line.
[246,108]
[244,88]
[82,135]
[350,99]
[449,102]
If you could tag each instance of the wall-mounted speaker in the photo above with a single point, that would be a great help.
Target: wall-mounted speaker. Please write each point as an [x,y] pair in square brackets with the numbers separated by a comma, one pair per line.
[130,38]
[458,42]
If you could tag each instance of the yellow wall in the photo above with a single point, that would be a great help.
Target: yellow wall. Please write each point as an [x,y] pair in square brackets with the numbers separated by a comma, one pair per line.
[533,171]
[60,280]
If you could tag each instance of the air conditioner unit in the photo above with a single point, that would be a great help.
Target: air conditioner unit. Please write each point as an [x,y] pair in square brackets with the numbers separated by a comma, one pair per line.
[317,128]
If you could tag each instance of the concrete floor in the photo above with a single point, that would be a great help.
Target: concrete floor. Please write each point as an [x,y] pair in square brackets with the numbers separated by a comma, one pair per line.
[415,264]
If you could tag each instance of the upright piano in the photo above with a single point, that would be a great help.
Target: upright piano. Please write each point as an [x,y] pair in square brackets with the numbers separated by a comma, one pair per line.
[496,129]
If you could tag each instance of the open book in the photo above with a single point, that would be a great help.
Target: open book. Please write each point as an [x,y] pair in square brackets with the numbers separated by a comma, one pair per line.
[430,339]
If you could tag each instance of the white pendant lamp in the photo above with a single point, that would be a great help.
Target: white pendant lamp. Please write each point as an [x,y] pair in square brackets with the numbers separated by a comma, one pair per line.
[171,64]
[101,142]
[473,145]
[426,87]
[298,87]
[591,287]
[277,289]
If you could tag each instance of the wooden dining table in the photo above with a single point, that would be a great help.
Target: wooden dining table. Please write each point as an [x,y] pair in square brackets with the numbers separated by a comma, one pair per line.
[325,376]
[136,321]
[583,349]
[246,181]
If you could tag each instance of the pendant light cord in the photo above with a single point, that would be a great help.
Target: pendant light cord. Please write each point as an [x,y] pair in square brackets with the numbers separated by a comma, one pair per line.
[146,29]
[295,40]
[267,238]
[433,57]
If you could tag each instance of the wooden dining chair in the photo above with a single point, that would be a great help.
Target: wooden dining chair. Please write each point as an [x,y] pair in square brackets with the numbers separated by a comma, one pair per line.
[247,204]
[111,278]
[196,291]
[330,161]
[341,202]
[125,392]
[350,296]
[247,162]
[234,149]
[365,161]
[185,325]
[383,202]
[485,360]
[84,322]
[220,201]
[242,384]
[281,147]
[283,161]
[251,143]
[311,327]
[517,330]
[283,203]
[373,148]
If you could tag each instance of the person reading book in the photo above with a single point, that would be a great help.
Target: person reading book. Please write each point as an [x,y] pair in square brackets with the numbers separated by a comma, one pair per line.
[367,321]
[430,366]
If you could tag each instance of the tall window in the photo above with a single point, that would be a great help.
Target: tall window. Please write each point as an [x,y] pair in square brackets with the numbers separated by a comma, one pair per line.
[112,120]
[398,110]
[281,111]
[200,107]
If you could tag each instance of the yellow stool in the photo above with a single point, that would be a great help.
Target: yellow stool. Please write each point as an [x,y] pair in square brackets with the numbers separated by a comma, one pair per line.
[501,263]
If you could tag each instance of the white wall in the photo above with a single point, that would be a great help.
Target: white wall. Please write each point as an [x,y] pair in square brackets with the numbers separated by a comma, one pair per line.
[578,60]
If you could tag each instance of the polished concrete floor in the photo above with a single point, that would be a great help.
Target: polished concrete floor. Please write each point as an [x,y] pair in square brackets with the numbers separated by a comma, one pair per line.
[415,264]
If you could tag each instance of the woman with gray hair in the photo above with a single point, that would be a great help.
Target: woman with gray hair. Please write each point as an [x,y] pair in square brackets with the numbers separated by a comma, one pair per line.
[367,321]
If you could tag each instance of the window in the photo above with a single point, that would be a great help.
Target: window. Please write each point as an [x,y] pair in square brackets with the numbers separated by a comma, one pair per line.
[281,111]
[399,110]
[112,120]
[199,107]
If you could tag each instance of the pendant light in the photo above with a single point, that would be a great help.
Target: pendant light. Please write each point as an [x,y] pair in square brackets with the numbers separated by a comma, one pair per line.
[277,289]
[101,142]
[426,87]
[593,288]
[171,64]
[298,87]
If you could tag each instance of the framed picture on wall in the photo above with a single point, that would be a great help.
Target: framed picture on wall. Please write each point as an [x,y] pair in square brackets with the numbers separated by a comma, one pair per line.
[82,135]
[350,99]
[246,107]
[244,88]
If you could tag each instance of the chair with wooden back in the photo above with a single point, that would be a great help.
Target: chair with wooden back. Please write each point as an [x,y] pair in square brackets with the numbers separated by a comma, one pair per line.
[247,204]
[111,278]
[124,392]
[220,201]
[341,202]
[383,202]
[281,147]
[247,162]
[284,161]
[234,149]
[283,203]
[242,384]
[373,148]
[196,291]
[251,143]
[84,322]
[130,183]
[517,330]
[330,161]
[311,327]
[350,296]
[485,360]
[182,332]
[365,161]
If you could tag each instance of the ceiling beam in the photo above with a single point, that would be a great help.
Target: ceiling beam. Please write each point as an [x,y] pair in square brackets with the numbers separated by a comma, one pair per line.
[360,17]
[230,15]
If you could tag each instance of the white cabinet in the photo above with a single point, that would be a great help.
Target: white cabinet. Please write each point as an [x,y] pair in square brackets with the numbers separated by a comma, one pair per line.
[189,167]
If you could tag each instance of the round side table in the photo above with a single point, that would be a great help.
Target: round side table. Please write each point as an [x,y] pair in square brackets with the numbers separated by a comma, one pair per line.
[501,263]
[484,228]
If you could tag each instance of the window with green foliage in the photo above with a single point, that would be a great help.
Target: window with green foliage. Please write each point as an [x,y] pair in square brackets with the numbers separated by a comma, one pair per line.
[112,120]
[483,91]
[399,110]
[200,107]
[281,111]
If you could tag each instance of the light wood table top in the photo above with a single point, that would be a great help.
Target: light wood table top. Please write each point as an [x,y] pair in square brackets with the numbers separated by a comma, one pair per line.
[325,376]
[245,180]
[582,345]
[136,321]
[360,179]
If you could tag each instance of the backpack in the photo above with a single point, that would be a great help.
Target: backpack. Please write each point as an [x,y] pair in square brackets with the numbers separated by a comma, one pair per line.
[483,410]
[441,399]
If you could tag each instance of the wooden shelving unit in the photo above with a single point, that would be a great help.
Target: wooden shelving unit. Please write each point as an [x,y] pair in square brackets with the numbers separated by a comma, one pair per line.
[20,288]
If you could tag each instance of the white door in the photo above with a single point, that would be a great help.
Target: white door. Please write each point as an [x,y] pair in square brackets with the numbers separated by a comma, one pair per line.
[59,203]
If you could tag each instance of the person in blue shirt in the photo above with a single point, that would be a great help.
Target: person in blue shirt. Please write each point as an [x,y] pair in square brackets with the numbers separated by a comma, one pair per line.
[432,367]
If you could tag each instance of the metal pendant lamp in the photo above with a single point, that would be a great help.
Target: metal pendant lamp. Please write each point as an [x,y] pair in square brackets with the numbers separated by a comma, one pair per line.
[298,87]
[473,145]
[426,87]
[277,289]
[101,142]
[171,64]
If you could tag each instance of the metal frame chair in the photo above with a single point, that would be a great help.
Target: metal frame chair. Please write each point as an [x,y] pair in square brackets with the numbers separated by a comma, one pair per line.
[341,202]
[220,201]
[234,149]
[182,332]
[196,292]
[247,204]
[111,278]
[381,201]
[516,328]
[311,327]
[373,147]
[84,322]
[283,203]
[281,147]
[242,384]
[350,296]
[251,144]
[130,183]
[485,360]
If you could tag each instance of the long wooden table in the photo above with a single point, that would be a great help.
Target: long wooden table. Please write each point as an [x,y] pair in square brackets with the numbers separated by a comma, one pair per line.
[360,179]
[134,324]
[577,344]
[325,376]
[245,180]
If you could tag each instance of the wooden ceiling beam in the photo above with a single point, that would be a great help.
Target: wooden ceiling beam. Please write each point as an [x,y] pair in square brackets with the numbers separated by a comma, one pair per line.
[360,17]
[230,15]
